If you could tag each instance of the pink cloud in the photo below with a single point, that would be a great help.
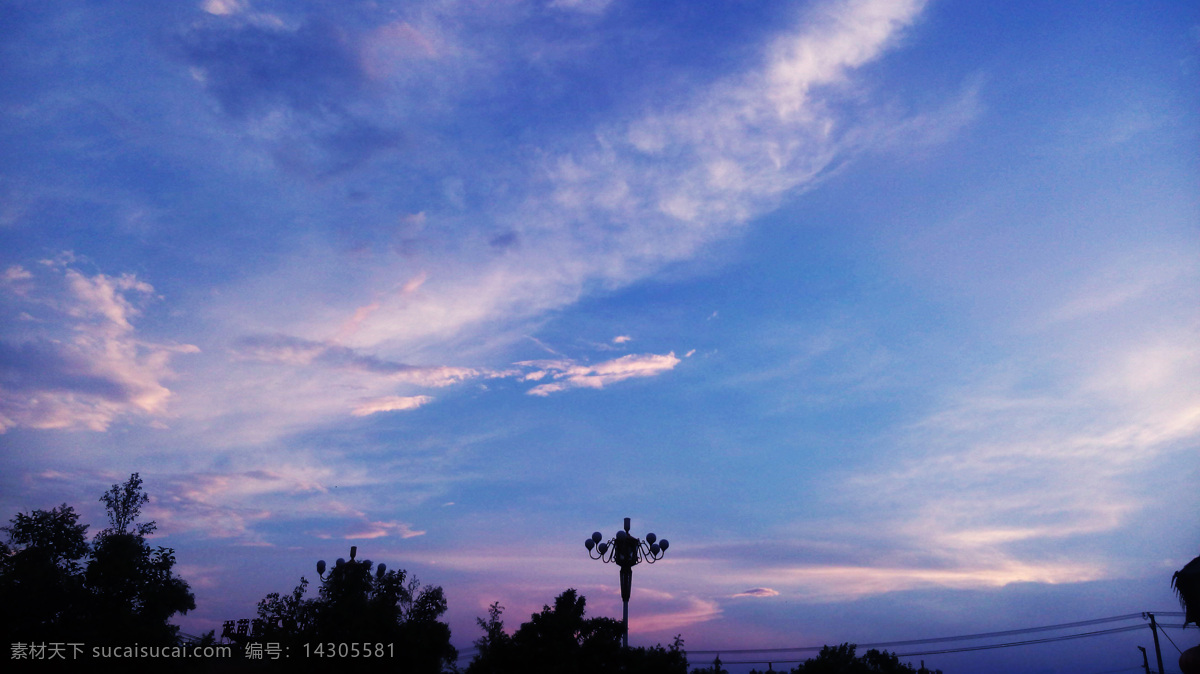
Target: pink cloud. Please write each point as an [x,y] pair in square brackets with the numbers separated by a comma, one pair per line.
[235,505]
[694,611]
[15,273]
[373,530]
[297,351]
[385,50]
[390,404]
[83,366]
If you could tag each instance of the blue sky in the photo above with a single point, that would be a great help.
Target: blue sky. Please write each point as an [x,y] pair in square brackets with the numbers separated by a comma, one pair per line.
[884,313]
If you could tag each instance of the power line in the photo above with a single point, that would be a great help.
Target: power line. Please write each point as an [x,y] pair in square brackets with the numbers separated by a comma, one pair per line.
[1065,637]
[1134,668]
[963,637]
[1168,636]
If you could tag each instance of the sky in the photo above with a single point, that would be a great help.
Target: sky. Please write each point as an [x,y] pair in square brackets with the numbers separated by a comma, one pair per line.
[884,312]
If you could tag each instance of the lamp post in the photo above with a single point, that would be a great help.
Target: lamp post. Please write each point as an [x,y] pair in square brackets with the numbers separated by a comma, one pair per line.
[366,563]
[626,551]
[349,578]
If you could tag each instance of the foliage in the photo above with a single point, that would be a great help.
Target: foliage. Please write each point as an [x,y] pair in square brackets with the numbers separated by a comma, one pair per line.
[125,593]
[561,639]
[56,535]
[124,505]
[134,591]
[286,617]
[355,605]
[41,584]
[841,659]
[1186,583]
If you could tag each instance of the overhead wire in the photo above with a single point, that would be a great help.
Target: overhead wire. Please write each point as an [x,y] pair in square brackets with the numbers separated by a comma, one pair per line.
[1168,636]
[912,642]
[961,637]
[945,651]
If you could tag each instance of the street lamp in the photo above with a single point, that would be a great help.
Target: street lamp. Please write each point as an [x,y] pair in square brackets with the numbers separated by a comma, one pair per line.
[626,551]
[366,564]
[349,578]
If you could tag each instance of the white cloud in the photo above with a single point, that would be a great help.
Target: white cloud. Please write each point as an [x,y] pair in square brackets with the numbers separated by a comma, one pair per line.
[224,7]
[300,352]
[390,404]
[637,194]
[81,364]
[568,374]
[642,193]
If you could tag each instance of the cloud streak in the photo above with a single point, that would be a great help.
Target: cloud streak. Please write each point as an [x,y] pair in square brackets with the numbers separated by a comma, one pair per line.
[295,351]
[568,374]
[77,361]
[640,193]
[758,592]
[390,404]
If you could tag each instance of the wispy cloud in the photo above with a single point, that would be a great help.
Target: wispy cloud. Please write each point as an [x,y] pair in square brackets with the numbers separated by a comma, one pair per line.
[694,610]
[295,351]
[79,362]
[250,506]
[390,404]
[872,563]
[569,374]
[585,6]
[828,583]
[758,592]
[642,192]
[381,529]
[1001,472]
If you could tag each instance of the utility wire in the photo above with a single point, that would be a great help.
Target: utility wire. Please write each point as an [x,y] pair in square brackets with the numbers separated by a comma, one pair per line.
[1065,637]
[1134,668]
[912,642]
[964,637]
[1168,636]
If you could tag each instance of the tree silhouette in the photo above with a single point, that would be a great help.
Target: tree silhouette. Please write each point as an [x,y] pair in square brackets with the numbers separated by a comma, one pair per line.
[41,579]
[359,602]
[841,659]
[124,505]
[124,594]
[134,590]
[561,639]
[1186,582]
[494,650]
